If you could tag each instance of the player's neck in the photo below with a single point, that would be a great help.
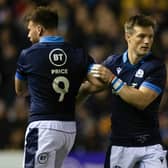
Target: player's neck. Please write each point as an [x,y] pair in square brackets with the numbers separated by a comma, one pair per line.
[133,57]
[50,33]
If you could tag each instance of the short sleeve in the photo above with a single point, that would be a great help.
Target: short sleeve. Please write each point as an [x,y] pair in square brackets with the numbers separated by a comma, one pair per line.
[21,71]
[156,80]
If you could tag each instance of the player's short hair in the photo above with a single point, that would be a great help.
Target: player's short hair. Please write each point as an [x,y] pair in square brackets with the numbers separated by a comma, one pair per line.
[139,20]
[44,16]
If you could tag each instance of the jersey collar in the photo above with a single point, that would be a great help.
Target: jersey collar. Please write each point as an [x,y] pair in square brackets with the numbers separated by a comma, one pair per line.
[51,39]
[125,57]
[126,60]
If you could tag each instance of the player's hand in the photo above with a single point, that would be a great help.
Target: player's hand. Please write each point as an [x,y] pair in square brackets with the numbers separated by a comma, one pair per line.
[101,72]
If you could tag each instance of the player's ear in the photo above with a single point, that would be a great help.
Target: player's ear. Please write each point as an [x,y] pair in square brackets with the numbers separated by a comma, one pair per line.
[127,36]
[40,30]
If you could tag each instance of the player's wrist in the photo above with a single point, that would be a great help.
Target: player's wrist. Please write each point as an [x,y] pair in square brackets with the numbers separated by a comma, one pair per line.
[117,84]
[111,79]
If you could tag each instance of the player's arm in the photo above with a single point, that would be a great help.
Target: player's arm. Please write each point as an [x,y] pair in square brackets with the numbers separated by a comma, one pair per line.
[21,76]
[20,85]
[90,86]
[140,98]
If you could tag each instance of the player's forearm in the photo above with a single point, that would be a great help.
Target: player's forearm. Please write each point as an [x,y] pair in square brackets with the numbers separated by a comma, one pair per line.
[136,97]
[85,90]
[139,98]
[22,92]
[21,88]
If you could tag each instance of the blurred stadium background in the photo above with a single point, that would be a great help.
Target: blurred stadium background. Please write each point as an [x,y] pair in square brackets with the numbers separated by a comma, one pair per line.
[97,26]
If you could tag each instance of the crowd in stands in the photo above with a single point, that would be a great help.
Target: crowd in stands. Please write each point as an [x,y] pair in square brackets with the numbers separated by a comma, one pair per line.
[97,26]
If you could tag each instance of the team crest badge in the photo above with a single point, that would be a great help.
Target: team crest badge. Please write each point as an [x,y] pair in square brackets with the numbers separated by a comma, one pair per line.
[139,73]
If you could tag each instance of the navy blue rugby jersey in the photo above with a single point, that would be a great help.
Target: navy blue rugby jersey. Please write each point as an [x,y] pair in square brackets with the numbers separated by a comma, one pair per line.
[131,126]
[54,71]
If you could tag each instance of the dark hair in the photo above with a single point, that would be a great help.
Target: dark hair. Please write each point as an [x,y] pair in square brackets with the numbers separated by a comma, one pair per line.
[41,2]
[139,20]
[44,16]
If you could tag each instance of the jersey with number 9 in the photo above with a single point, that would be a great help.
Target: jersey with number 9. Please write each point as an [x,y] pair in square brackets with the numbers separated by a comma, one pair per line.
[54,72]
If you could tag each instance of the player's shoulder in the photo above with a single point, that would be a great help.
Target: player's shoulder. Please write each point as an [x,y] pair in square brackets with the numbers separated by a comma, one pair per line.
[66,46]
[25,51]
[154,62]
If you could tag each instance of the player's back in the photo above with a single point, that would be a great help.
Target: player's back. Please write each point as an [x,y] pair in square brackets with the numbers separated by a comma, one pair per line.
[55,72]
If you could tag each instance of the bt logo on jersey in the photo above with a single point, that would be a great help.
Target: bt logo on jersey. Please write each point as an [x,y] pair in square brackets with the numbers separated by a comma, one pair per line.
[58,57]
[43,158]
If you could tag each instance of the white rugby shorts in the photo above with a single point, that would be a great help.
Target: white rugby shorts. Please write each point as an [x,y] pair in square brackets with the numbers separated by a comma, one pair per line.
[47,143]
[136,157]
